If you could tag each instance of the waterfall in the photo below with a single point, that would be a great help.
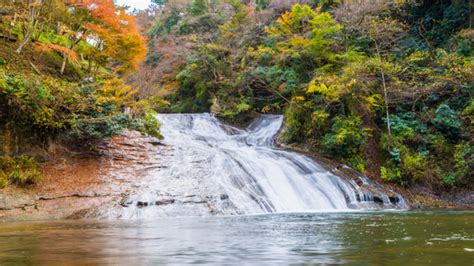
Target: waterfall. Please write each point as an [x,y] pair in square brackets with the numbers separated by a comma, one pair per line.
[237,171]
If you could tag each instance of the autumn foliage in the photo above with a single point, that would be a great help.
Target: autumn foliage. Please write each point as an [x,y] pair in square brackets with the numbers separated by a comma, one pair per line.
[61,75]
[95,30]
[115,33]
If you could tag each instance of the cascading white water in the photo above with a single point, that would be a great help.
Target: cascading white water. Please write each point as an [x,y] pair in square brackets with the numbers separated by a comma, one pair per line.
[235,171]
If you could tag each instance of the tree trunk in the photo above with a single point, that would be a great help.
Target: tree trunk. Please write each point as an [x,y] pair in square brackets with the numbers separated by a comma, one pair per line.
[24,42]
[13,22]
[384,84]
[471,16]
[7,140]
[63,65]
[33,24]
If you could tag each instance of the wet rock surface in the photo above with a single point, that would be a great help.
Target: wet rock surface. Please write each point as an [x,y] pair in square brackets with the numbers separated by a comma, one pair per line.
[10,201]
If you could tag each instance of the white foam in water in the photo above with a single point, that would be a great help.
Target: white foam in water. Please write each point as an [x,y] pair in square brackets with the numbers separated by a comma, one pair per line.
[212,159]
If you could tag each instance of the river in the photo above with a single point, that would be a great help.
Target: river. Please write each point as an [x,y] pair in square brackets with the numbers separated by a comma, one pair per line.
[364,238]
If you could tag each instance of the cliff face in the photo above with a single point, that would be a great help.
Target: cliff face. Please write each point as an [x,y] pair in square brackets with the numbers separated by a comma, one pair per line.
[78,184]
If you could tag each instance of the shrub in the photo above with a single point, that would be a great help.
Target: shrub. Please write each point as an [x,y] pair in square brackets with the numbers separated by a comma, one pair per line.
[295,124]
[413,166]
[463,162]
[446,120]
[151,124]
[391,174]
[346,136]
[102,127]
[21,170]
[3,179]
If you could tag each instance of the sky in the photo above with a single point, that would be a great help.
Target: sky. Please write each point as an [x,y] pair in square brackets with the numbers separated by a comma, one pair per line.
[139,4]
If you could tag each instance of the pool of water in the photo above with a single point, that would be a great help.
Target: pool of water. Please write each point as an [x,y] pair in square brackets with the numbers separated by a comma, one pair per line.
[368,238]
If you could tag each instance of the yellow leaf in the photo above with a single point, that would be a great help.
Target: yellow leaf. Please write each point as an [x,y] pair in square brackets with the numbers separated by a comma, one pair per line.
[298,99]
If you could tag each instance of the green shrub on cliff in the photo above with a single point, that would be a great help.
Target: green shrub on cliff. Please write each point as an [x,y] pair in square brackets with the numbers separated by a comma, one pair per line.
[21,170]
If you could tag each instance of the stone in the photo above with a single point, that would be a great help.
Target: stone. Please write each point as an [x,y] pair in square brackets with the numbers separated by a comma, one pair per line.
[17,201]
[164,202]
[224,197]
[142,204]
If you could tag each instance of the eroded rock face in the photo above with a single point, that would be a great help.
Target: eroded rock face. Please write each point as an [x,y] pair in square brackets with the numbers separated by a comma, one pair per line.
[77,185]
[16,200]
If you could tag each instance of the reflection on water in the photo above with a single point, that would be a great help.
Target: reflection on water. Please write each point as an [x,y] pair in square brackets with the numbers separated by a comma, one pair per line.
[395,238]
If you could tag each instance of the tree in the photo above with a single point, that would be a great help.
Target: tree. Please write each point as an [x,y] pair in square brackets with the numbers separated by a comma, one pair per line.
[28,16]
[72,18]
[384,33]
[114,35]
[362,18]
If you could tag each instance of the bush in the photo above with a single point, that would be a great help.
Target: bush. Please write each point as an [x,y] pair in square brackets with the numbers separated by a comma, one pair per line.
[102,127]
[21,170]
[463,162]
[3,179]
[83,110]
[391,174]
[346,136]
[446,120]
[295,124]
[151,124]
[413,166]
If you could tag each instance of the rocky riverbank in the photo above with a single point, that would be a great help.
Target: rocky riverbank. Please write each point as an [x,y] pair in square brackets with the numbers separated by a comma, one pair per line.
[76,184]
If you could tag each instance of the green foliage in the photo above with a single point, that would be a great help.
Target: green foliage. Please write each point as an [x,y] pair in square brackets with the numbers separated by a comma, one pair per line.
[446,120]
[295,124]
[346,136]
[198,7]
[236,110]
[406,125]
[463,162]
[102,127]
[165,25]
[440,19]
[82,110]
[413,166]
[303,39]
[151,124]
[262,4]
[21,170]
[391,174]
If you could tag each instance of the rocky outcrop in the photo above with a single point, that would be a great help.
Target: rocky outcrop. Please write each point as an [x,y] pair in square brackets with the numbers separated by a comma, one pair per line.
[77,185]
